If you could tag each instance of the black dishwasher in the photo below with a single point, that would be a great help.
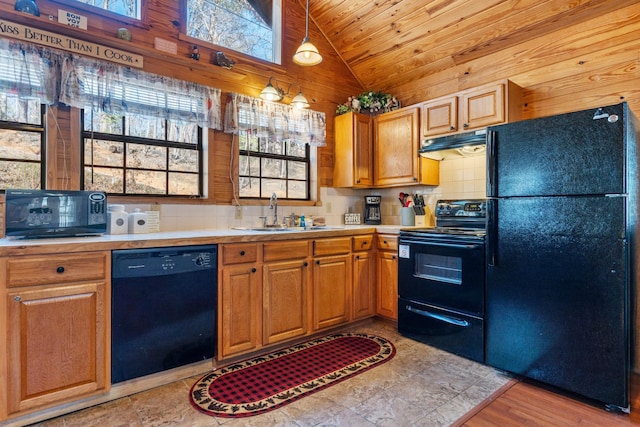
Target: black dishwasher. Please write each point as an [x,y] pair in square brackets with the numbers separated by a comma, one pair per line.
[163,309]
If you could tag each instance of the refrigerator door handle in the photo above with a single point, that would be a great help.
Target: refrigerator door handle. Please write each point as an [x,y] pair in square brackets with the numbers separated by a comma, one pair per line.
[441,317]
[492,231]
[492,170]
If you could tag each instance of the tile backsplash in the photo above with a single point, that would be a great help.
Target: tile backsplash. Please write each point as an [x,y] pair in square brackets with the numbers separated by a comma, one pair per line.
[463,177]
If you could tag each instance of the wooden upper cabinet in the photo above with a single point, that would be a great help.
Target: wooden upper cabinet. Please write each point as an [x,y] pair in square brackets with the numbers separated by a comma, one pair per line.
[353,165]
[487,105]
[439,116]
[396,140]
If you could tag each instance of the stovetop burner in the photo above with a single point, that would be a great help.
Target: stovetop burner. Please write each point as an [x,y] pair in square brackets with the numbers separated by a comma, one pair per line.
[455,219]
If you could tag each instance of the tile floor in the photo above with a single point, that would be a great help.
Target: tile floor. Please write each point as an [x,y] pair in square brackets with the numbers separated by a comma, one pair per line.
[420,386]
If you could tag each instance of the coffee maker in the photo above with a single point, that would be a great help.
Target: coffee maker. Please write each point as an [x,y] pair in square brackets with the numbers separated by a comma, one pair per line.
[372,210]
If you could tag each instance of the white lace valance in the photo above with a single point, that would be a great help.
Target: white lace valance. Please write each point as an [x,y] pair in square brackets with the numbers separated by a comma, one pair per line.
[55,76]
[274,121]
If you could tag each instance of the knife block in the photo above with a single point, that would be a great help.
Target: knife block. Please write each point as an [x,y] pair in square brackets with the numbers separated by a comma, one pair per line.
[420,220]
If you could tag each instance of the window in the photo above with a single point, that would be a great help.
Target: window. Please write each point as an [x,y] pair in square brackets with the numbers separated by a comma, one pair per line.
[276,144]
[22,144]
[252,27]
[268,167]
[129,8]
[133,154]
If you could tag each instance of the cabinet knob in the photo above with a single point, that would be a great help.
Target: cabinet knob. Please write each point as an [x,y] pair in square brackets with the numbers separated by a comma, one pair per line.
[304,264]
[415,179]
[452,128]
[17,298]
[60,269]
[317,262]
[242,253]
[357,256]
[466,125]
[393,257]
[253,270]
[364,243]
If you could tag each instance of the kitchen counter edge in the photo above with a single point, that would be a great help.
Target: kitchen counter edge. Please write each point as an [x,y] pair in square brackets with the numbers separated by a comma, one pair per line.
[13,247]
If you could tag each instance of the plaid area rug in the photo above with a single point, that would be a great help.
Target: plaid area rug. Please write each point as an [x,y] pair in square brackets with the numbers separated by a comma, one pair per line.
[268,382]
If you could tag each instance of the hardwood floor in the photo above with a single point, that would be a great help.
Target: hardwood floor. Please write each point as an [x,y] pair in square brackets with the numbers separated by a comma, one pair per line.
[523,403]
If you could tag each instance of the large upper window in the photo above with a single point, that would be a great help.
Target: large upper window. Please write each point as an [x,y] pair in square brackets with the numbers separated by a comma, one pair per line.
[252,27]
[129,8]
[133,154]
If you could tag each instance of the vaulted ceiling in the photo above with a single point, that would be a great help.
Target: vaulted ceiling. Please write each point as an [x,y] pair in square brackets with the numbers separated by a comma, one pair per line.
[387,43]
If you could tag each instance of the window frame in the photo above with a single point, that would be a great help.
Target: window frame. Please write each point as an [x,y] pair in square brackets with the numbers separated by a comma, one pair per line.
[256,154]
[278,36]
[34,128]
[88,135]
[142,22]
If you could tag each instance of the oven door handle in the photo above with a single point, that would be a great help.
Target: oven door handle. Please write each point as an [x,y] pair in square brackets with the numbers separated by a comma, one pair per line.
[441,317]
[446,245]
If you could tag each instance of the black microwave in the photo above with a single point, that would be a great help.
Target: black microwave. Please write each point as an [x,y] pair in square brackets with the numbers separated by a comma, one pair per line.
[54,213]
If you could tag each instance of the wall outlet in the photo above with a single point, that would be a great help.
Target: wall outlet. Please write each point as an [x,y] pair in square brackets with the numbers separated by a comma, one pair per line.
[238,212]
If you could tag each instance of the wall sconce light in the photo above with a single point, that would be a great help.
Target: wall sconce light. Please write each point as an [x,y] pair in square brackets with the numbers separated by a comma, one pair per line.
[276,94]
[307,54]
[27,6]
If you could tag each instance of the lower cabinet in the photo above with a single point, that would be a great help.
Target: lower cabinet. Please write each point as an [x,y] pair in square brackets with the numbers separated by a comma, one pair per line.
[277,291]
[331,282]
[240,307]
[387,276]
[364,284]
[56,331]
[285,301]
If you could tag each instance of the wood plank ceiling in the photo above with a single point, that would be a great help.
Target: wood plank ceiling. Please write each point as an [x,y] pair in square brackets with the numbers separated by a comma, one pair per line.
[387,43]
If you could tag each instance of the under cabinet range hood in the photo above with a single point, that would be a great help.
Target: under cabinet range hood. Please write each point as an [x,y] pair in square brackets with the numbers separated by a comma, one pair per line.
[451,146]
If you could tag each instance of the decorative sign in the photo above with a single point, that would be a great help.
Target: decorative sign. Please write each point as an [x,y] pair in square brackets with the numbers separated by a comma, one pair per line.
[58,41]
[72,19]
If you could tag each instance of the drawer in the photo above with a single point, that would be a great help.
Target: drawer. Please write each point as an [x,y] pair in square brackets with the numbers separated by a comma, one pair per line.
[333,246]
[240,253]
[279,251]
[387,242]
[53,269]
[361,243]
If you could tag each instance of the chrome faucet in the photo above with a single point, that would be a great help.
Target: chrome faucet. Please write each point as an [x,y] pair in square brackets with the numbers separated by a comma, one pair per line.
[273,204]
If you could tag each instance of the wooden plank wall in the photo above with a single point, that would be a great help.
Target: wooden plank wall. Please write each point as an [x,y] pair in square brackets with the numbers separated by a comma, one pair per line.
[590,63]
[325,85]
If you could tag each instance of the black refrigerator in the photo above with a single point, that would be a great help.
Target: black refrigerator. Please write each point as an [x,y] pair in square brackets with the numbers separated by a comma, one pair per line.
[561,232]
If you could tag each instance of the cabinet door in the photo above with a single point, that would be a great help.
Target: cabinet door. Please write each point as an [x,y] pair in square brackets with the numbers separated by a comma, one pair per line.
[353,160]
[396,140]
[364,302]
[483,107]
[56,344]
[239,310]
[285,300]
[331,291]
[387,292]
[439,116]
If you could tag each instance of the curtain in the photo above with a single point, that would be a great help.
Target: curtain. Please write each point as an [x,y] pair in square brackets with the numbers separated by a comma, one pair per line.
[276,122]
[55,76]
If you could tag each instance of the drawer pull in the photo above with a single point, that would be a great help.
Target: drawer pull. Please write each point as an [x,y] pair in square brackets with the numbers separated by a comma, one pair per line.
[60,269]
[253,270]
[242,253]
[305,264]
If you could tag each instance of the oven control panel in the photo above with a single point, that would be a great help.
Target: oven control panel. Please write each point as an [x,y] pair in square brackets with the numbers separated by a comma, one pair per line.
[464,208]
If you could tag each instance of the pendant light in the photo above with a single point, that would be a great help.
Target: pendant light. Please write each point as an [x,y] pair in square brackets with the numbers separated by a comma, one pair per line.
[307,54]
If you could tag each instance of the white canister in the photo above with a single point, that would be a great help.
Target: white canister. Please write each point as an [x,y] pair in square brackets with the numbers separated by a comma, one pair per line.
[407,216]
[117,220]
[137,222]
